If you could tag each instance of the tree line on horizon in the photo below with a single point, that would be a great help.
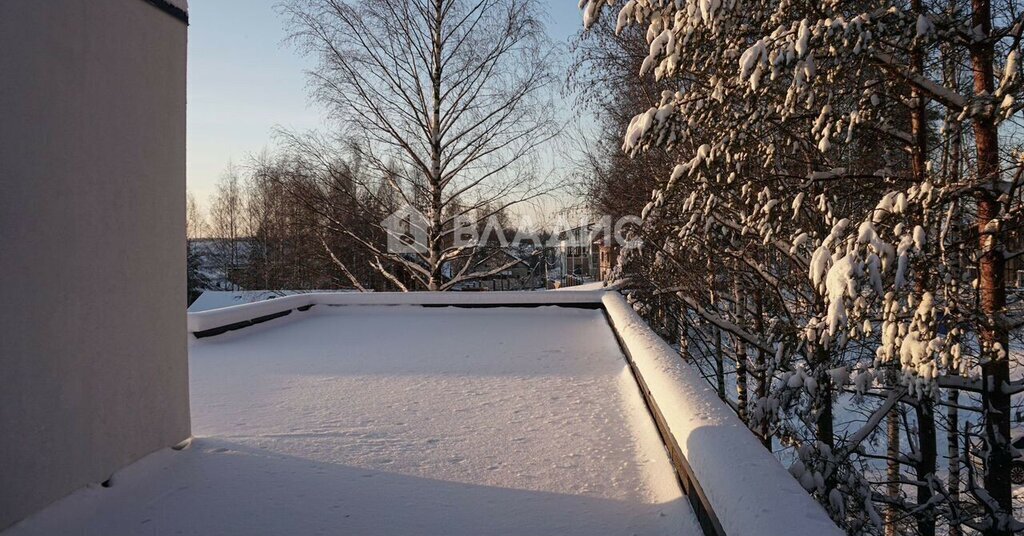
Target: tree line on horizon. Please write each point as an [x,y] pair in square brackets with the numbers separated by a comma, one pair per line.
[265,228]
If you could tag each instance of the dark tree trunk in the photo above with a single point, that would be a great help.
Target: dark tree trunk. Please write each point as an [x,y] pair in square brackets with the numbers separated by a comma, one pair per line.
[761,373]
[739,311]
[954,458]
[926,465]
[991,284]
[719,365]
[892,469]
[823,400]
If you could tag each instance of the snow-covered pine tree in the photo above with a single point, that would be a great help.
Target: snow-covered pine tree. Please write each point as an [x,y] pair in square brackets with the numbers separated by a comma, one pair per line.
[805,135]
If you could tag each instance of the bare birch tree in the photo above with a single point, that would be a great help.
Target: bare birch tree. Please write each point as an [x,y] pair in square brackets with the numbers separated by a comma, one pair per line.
[195,229]
[445,99]
[227,226]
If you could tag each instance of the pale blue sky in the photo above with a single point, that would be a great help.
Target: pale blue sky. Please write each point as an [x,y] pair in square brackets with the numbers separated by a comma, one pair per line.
[243,80]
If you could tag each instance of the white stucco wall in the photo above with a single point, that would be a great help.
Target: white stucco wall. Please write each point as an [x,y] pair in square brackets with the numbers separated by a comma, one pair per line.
[93,364]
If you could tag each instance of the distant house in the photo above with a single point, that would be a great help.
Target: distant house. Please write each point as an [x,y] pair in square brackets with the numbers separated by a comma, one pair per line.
[526,272]
[587,252]
[1014,268]
[1015,260]
[609,256]
[223,263]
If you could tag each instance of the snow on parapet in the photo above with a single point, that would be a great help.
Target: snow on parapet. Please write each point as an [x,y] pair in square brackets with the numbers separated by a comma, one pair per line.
[746,487]
[208,320]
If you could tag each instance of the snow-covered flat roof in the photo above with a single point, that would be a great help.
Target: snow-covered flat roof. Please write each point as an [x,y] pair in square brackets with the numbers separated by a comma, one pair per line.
[445,413]
[402,420]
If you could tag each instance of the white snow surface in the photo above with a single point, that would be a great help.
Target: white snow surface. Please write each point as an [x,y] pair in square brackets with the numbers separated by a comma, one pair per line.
[219,299]
[748,489]
[401,420]
[584,287]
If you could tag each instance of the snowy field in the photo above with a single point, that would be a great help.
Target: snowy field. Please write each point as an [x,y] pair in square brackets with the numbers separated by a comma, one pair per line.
[397,420]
